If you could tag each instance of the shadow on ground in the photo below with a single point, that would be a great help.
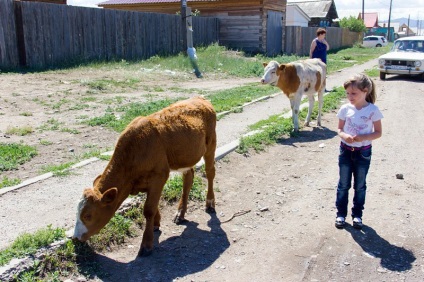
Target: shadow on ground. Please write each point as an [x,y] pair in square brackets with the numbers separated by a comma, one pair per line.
[392,257]
[305,136]
[177,256]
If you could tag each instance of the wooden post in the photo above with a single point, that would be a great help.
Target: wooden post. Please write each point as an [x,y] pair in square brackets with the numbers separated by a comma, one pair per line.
[19,26]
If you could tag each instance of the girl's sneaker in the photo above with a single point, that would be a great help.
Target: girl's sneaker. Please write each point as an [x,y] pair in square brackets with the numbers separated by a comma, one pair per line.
[340,222]
[357,223]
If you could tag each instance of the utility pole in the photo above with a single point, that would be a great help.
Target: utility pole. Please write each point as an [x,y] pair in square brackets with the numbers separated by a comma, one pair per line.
[184,26]
[363,20]
[388,25]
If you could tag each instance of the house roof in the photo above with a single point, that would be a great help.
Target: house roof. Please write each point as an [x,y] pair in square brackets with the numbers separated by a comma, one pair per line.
[298,9]
[314,8]
[370,19]
[125,2]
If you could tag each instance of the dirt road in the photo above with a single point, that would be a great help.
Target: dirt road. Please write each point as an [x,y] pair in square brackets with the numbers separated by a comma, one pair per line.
[289,233]
[289,190]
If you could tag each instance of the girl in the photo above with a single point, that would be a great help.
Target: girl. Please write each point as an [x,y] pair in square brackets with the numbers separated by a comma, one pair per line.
[359,124]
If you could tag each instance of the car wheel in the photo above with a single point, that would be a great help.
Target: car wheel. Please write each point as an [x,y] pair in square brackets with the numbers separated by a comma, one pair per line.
[382,75]
[378,45]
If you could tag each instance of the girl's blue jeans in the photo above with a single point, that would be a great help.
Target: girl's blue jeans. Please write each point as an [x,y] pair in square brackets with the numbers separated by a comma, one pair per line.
[352,163]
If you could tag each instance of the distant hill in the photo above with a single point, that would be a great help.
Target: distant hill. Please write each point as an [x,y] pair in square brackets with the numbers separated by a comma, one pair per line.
[401,21]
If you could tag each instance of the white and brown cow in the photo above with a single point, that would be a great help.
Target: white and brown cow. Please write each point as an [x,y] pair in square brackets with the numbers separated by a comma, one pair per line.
[296,79]
[175,138]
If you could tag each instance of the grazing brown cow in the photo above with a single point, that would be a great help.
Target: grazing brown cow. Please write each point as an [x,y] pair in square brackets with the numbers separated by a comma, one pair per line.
[175,138]
[296,79]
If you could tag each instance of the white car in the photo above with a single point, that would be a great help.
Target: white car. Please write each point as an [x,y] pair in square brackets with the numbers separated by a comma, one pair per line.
[374,41]
[405,57]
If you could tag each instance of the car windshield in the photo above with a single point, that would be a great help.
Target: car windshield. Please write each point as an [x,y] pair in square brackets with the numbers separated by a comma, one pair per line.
[408,46]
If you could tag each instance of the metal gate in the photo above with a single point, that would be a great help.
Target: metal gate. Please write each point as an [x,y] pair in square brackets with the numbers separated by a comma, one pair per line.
[274,33]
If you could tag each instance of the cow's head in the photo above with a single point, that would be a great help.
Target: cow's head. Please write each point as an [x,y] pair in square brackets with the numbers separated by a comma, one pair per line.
[271,73]
[94,212]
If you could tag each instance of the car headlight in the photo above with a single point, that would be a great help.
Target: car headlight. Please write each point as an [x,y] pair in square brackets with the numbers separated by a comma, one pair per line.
[417,64]
[381,61]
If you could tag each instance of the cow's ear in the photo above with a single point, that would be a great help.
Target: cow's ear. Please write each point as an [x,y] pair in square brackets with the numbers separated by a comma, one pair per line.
[282,67]
[109,196]
[96,180]
[264,64]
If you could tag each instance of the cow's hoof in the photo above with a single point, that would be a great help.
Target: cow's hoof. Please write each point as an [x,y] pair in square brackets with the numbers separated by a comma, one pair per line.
[210,210]
[155,228]
[179,220]
[144,252]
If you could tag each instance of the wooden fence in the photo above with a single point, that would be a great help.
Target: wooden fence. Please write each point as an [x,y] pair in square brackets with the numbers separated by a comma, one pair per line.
[42,35]
[298,39]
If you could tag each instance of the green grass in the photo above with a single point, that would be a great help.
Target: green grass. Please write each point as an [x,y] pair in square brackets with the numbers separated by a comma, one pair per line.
[174,187]
[228,99]
[276,127]
[58,170]
[343,58]
[129,111]
[104,85]
[27,244]
[7,182]
[114,233]
[20,131]
[12,155]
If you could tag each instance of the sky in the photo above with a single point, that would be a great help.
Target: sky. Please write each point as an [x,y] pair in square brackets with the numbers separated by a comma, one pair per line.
[345,8]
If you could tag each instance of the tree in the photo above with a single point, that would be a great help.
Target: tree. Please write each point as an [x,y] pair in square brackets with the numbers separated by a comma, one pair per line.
[353,24]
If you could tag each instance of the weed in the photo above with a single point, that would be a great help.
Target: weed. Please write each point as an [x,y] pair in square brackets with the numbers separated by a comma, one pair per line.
[45,142]
[20,131]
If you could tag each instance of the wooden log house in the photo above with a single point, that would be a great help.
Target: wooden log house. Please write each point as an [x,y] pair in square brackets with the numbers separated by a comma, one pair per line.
[249,25]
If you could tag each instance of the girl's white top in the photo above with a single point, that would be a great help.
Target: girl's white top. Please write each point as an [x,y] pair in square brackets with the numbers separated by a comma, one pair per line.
[358,122]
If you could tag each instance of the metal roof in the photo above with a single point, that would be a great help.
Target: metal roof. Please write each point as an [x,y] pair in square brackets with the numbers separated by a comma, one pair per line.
[129,2]
[314,8]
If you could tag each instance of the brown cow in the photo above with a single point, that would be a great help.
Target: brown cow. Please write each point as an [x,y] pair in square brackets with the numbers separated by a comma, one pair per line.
[296,79]
[175,138]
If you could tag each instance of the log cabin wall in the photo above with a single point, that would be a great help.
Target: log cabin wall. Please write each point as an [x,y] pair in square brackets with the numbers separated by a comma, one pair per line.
[243,24]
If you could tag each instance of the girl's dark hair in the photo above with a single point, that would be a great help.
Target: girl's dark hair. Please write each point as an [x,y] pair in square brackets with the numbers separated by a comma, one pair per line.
[362,82]
[321,31]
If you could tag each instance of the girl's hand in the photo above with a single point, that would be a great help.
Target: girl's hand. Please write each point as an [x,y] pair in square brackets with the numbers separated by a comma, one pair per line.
[358,138]
[348,138]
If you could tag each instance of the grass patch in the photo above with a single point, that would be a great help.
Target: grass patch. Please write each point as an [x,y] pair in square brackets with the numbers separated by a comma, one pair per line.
[58,170]
[104,85]
[228,99]
[27,244]
[130,112]
[115,232]
[342,58]
[276,127]
[12,155]
[174,186]
[372,72]
[7,182]
[20,131]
